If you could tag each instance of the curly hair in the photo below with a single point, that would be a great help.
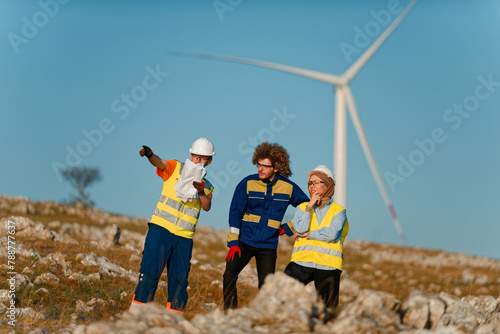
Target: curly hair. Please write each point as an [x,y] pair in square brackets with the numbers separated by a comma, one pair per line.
[277,154]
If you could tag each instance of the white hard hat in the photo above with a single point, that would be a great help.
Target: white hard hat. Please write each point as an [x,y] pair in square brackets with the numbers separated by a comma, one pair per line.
[321,169]
[202,146]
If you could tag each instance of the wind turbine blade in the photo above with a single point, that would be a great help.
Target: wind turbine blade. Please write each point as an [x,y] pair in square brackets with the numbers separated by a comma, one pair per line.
[325,77]
[353,112]
[358,64]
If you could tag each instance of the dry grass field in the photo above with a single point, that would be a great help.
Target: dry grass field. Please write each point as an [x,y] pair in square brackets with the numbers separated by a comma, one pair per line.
[394,269]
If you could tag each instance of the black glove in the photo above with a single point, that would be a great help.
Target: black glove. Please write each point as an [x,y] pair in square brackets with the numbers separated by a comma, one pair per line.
[146,151]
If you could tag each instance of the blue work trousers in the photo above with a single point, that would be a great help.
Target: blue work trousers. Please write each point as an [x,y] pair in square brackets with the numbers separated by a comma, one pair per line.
[161,249]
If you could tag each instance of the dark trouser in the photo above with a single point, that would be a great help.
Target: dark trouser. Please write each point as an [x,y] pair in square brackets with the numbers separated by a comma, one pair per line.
[161,249]
[327,282]
[266,264]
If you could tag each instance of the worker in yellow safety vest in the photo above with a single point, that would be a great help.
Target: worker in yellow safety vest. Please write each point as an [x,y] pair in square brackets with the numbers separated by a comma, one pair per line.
[321,227]
[169,241]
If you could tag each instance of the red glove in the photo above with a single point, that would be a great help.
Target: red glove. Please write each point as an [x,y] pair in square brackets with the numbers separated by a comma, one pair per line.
[146,151]
[200,186]
[282,231]
[233,250]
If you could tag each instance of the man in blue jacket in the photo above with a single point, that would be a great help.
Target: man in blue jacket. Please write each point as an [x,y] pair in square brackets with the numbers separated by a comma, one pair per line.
[257,209]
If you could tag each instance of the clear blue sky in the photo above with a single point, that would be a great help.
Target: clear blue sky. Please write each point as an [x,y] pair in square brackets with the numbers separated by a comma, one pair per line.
[71,68]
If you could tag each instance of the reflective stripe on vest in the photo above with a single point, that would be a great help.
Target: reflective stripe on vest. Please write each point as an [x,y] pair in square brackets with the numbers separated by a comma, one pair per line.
[179,217]
[328,254]
[324,250]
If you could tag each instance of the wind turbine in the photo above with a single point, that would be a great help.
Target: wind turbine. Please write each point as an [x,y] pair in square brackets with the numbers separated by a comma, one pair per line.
[343,97]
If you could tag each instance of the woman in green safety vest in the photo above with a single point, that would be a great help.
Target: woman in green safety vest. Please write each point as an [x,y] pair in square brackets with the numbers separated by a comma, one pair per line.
[321,227]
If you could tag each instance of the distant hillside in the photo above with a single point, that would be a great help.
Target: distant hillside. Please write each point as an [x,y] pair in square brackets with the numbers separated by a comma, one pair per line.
[48,210]
[76,271]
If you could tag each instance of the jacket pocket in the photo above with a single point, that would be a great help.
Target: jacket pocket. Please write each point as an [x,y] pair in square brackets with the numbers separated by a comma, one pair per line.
[280,203]
[255,201]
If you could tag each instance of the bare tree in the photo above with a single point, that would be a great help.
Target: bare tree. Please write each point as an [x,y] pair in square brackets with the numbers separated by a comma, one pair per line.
[81,178]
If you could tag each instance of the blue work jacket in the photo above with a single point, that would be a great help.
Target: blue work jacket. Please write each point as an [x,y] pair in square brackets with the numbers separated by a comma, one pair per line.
[257,210]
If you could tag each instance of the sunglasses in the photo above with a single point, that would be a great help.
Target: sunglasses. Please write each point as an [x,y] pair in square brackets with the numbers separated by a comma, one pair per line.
[261,165]
[310,183]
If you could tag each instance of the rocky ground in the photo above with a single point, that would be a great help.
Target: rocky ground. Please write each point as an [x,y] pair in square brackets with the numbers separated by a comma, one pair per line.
[75,271]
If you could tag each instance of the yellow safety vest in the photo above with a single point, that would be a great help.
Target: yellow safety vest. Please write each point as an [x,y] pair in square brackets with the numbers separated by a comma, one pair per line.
[328,254]
[179,217]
